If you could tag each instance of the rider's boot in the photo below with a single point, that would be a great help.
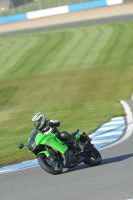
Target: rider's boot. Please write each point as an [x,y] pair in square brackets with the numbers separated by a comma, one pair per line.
[86,137]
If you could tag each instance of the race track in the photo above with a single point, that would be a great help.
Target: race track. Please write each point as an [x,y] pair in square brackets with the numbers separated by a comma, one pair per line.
[112,180]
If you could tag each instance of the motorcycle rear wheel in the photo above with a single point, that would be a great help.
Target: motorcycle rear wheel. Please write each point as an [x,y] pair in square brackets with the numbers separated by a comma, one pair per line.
[94,158]
[46,165]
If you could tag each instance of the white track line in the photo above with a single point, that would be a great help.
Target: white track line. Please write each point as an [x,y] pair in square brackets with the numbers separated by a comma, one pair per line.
[129,130]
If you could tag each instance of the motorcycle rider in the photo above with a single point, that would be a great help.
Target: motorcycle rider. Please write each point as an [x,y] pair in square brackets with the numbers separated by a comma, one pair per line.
[47,126]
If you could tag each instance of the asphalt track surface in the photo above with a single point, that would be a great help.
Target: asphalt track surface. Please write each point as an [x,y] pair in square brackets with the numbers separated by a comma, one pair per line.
[112,180]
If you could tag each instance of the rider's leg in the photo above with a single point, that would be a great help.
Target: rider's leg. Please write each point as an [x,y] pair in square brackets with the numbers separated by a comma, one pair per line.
[66,136]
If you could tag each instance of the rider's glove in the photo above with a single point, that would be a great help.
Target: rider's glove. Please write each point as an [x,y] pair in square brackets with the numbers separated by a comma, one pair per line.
[54,123]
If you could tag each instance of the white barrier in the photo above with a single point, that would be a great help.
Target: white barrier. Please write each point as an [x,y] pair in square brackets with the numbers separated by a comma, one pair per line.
[59,10]
[72,8]
[114,2]
[48,12]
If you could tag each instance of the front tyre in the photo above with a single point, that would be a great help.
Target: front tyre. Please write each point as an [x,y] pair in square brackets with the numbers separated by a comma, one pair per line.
[93,158]
[50,166]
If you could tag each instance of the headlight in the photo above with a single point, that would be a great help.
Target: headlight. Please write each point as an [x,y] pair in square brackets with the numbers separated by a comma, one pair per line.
[32,146]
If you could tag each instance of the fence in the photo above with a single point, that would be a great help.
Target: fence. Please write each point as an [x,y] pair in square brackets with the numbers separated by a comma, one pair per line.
[15,7]
[25,6]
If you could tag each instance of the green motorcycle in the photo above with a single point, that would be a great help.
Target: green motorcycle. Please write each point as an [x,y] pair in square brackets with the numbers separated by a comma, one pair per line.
[53,154]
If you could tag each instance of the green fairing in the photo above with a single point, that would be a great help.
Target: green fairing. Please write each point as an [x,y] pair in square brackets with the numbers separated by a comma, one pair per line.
[52,141]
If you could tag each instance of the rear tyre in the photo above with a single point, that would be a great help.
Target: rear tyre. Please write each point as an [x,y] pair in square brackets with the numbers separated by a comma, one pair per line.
[94,158]
[54,167]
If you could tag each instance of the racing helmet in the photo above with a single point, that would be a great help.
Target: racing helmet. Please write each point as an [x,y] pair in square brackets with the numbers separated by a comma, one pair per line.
[39,119]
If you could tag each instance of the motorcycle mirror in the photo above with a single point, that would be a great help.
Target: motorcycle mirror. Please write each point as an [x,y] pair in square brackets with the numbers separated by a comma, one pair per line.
[21,146]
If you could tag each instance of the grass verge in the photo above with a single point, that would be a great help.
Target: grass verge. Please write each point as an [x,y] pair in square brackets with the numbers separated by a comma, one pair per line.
[76,75]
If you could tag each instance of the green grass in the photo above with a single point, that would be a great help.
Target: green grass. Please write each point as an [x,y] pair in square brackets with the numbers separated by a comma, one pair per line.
[41,4]
[76,75]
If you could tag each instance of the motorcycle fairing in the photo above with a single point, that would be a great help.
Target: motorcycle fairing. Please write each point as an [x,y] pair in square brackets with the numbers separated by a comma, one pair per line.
[52,141]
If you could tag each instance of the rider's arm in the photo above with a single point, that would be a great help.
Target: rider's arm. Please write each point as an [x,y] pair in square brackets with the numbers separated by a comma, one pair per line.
[50,126]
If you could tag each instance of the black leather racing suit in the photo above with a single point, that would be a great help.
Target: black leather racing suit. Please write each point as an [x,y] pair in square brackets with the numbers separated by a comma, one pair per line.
[50,126]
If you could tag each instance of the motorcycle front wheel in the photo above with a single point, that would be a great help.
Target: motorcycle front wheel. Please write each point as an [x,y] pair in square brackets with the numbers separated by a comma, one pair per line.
[93,158]
[52,167]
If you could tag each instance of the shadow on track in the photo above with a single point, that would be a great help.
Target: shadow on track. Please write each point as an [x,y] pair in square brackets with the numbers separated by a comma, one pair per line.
[104,162]
[79,167]
[116,159]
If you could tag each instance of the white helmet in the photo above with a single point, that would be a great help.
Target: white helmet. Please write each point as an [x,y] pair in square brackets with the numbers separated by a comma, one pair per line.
[39,119]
